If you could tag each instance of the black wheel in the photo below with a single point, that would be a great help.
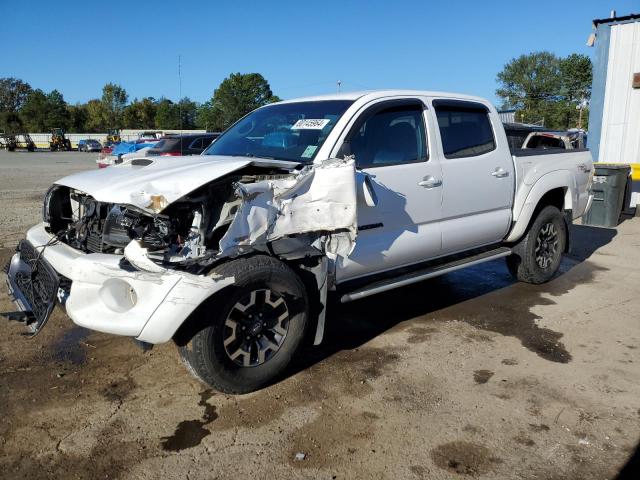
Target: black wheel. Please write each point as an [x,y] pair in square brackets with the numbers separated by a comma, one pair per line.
[537,257]
[243,340]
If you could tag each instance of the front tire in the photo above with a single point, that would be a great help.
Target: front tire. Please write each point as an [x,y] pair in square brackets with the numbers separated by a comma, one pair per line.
[243,339]
[537,256]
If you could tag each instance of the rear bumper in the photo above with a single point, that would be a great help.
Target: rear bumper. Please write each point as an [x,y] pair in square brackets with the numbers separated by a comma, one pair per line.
[109,297]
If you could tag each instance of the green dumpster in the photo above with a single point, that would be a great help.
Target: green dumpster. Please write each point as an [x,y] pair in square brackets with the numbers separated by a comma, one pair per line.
[609,182]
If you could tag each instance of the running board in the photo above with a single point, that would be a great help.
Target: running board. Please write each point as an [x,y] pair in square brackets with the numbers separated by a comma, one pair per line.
[430,272]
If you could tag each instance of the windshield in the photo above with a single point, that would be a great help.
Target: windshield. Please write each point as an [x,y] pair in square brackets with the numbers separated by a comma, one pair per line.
[287,131]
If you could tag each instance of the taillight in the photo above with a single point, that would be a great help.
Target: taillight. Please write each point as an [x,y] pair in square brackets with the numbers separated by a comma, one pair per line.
[170,154]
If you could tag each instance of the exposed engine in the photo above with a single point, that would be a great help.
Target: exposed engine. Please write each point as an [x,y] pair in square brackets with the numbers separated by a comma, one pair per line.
[185,232]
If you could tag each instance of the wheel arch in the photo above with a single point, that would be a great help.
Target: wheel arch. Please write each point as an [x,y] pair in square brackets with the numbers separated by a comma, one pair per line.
[555,188]
[307,271]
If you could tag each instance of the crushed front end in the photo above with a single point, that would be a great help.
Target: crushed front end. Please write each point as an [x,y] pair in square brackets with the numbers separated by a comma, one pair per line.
[140,269]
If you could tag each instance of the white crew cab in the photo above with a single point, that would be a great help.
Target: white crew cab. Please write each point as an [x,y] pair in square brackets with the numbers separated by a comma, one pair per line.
[232,254]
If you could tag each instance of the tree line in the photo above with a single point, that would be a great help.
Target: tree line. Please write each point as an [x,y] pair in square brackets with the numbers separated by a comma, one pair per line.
[542,87]
[25,109]
[548,90]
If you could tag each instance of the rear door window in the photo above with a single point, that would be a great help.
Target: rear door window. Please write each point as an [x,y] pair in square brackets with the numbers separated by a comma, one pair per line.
[197,143]
[465,131]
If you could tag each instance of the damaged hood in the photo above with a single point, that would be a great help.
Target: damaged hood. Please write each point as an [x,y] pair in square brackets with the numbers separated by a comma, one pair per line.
[152,183]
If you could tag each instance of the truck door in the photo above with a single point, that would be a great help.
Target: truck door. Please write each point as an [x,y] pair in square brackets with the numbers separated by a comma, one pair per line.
[399,188]
[477,175]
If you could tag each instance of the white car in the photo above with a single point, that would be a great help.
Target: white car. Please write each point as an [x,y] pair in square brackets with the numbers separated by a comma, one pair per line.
[232,254]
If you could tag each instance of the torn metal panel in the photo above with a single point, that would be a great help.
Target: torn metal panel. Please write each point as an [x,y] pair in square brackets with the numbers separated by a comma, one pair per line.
[321,272]
[321,199]
[136,254]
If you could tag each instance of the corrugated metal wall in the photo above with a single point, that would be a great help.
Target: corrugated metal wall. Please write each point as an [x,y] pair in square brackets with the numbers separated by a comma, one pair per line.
[507,116]
[620,134]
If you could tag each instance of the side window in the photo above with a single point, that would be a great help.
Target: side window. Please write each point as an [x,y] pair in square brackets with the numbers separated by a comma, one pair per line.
[544,142]
[197,143]
[206,141]
[389,137]
[465,131]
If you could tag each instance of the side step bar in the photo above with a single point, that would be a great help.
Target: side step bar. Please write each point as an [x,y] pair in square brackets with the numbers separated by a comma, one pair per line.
[429,272]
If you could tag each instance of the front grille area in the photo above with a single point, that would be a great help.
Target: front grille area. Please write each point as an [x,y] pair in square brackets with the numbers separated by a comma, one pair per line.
[94,242]
[39,285]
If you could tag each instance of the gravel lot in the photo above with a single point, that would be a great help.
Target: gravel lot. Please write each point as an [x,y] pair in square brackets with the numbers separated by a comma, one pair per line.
[467,375]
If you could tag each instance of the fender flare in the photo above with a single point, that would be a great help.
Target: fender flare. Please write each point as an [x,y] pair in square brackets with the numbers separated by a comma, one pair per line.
[526,202]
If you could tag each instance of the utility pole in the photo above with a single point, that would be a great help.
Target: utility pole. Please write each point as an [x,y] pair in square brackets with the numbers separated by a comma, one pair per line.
[180,91]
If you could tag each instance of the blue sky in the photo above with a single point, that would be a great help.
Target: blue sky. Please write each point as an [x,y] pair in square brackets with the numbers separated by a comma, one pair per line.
[301,47]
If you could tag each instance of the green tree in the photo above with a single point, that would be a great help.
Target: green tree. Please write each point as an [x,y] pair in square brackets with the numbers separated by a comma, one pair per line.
[237,95]
[13,94]
[57,112]
[167,115]
[187,111]
[114,100]
[576,76]
[78,117]
[96,116]
[545,88]
[11,122]
[140,114]
[208,118]
[43,111]
[34,112]
[175,116]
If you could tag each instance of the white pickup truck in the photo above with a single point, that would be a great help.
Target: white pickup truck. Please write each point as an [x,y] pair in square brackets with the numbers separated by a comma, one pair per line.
[232,254]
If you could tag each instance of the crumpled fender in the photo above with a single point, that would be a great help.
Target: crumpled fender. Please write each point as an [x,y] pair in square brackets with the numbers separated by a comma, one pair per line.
[321,199]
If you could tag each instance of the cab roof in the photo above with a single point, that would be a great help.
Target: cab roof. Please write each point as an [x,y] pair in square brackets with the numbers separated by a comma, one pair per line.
[374,94]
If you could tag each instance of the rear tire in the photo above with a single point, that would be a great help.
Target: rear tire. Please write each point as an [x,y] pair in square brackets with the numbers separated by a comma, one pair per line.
[536,258]
[243,338]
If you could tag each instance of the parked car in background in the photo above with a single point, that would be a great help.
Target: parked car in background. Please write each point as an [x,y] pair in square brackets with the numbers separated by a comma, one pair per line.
[149,137]
[124,151]
[517,133]
[549,140]
[180,145]
[89,145]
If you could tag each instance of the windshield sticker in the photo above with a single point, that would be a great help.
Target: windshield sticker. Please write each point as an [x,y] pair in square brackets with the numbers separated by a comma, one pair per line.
[309,151]
[310,124]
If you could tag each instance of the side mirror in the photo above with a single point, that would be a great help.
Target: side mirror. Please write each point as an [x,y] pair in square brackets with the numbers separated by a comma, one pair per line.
[345,149]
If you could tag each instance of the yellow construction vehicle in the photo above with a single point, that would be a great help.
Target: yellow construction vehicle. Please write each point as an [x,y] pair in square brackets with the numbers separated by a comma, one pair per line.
[113,136]
[59,141]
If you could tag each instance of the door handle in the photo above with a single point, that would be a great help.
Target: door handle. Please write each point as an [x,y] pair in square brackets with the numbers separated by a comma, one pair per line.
[430,182]
[500,173]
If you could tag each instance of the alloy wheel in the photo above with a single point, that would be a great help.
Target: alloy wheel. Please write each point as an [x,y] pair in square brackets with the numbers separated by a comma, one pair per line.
[546,245]
[256,327]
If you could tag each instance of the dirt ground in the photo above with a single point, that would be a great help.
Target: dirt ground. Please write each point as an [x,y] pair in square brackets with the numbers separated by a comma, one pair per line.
[466,375]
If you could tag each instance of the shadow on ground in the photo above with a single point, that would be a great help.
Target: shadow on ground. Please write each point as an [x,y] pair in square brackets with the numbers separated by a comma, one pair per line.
[462,296]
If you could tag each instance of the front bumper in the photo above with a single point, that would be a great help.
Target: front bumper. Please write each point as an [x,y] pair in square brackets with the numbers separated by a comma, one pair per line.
[112,298]
[33,285]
